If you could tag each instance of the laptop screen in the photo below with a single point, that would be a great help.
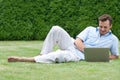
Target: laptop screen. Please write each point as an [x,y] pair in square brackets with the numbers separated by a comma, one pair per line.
[97,54]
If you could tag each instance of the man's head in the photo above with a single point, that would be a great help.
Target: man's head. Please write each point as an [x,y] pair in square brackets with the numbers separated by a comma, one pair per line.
[105,23]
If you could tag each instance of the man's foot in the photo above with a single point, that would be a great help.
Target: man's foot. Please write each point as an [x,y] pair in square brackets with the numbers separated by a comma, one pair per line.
[13,59]
[20,59]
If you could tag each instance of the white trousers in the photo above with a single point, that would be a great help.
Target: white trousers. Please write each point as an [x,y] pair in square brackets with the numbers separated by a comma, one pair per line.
[59,36]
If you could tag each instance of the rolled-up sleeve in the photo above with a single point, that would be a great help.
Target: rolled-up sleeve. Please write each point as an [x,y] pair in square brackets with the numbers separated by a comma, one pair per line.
[115,47]
[84,34]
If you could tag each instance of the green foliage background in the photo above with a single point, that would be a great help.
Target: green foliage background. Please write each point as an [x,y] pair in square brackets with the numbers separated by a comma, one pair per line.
[32,19]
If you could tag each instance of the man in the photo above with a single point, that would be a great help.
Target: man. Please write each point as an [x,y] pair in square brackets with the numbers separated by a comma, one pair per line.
[73,50]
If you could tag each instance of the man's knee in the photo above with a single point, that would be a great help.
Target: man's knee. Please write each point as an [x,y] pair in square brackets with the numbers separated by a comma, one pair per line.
[56,28]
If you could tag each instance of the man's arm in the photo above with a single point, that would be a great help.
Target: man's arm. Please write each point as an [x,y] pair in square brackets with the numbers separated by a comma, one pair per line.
[79,44]
[113,57]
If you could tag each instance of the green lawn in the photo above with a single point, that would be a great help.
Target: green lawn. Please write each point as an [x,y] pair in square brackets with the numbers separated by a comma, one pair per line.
[64,71]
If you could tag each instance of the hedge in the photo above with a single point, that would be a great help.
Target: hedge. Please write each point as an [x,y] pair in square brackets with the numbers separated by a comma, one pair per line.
[32,19]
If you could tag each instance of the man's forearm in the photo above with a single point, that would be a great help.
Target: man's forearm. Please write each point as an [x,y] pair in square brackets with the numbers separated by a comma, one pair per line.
[113,57]
[79,44]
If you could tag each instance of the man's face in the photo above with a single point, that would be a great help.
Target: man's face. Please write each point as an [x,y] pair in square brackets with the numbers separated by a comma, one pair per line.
[104,27]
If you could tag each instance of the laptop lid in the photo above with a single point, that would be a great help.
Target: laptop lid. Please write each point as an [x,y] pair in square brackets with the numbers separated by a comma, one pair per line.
[96,54]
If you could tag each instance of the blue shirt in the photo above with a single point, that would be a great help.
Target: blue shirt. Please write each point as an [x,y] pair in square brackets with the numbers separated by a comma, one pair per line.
[91,38]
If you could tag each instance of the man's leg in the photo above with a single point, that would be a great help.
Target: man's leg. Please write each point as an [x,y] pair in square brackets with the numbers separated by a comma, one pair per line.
[59,36]
[58,56]
[20,59]
[56,35]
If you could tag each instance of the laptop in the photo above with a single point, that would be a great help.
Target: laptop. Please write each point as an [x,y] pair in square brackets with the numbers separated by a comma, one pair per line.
[96,54]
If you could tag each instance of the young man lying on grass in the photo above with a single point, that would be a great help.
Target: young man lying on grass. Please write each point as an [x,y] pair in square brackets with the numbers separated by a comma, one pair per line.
[73,50]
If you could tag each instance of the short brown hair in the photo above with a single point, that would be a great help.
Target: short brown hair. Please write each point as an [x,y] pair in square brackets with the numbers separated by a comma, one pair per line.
[105,17]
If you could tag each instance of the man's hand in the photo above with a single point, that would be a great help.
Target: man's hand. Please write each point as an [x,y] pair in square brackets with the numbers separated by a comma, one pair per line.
[113,57]
[79,44]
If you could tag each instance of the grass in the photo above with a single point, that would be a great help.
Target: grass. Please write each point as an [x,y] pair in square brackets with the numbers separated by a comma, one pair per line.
[64,71]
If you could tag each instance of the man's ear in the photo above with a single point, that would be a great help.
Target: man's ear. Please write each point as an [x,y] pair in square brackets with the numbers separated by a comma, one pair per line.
[110,25]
